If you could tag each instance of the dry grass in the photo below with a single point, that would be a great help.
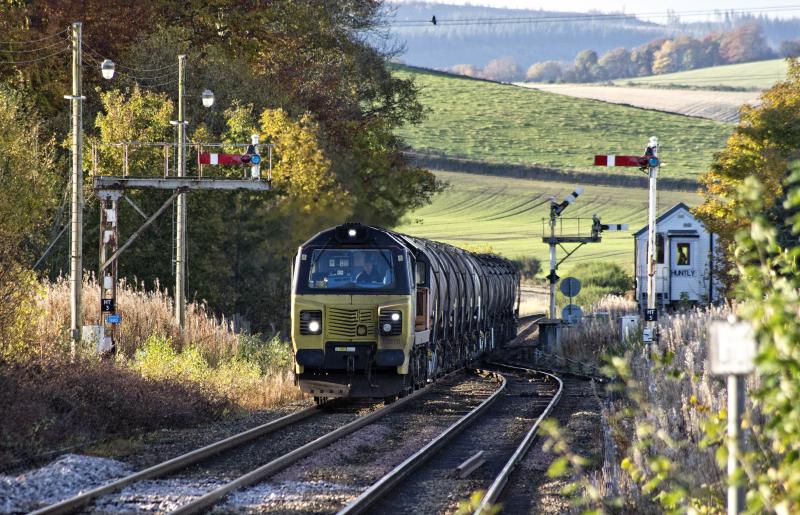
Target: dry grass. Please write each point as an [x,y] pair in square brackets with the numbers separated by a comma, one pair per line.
[51,397]
[590,339]
[677,394]
[53,405]
[144,313]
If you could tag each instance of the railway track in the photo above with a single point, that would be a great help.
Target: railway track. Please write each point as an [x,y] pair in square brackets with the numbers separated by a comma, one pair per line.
[499,432]
[225,451]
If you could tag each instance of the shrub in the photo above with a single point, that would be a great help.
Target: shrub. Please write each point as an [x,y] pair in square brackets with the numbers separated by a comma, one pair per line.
[598,280]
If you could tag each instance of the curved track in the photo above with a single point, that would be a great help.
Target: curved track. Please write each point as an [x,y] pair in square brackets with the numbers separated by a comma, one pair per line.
[513,413]
[223,453]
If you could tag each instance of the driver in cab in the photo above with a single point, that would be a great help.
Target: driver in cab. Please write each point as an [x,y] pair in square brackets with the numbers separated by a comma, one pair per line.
[370,274]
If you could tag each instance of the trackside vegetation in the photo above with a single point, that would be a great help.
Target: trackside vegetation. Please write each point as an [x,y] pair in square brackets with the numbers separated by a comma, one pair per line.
[666,415]
[301,76]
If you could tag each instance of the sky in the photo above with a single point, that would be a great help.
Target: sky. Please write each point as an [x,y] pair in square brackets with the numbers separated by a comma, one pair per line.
[641,7]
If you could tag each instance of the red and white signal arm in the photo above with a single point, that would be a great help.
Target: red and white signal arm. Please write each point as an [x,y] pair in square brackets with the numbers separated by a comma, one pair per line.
[613,160]
[208,158]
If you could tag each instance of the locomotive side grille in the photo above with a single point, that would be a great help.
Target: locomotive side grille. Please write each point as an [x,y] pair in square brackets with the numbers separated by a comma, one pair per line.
[345,323]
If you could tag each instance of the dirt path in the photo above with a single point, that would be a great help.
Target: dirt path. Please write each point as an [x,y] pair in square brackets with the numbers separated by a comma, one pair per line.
[715,105]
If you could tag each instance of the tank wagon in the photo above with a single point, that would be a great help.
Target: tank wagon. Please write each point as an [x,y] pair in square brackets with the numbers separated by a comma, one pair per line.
[377,313]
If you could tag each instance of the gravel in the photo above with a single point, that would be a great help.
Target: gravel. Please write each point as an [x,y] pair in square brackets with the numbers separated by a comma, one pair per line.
[529,489]
[320,483]
[341,471]
[497,432]
[67,476]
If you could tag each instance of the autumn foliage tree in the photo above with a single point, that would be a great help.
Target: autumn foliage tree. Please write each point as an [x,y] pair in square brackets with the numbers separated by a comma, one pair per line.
[764,144]
[330,104]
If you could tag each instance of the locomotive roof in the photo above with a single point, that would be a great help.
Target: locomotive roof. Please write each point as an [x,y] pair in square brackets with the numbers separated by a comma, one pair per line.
[372,236]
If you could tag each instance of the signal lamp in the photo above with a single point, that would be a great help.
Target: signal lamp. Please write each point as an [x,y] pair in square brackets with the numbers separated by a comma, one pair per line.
[107,69]
[208,98]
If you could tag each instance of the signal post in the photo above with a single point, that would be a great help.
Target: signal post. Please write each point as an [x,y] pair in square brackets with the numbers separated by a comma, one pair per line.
[549,329]
[650,163]
[111,189]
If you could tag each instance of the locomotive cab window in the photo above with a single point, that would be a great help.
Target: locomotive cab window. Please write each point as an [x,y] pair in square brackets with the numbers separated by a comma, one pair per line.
[354,269]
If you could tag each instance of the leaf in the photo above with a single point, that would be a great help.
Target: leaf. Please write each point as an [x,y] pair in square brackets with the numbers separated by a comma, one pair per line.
[558,468]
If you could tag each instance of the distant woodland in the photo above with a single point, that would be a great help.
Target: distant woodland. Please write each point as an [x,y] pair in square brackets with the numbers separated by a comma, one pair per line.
[578,47]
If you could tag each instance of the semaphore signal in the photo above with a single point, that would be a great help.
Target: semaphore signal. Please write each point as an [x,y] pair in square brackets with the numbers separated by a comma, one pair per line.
[649,163]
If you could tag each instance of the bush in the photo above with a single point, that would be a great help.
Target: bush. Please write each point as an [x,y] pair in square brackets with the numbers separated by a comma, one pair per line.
[528,267]
[598,280]
[52,404]
[258,376]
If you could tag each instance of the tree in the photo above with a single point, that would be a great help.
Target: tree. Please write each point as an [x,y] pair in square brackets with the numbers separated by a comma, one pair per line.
[745,43]
[28,182]
[503,69]
[616,64]
[666,59]
[547,71]
[585,65]
[790,48]
[642,57]
[305,57]
[761,145]
[470,70]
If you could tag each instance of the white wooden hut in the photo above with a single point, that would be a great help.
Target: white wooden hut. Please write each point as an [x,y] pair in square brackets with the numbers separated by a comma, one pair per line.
[684,270]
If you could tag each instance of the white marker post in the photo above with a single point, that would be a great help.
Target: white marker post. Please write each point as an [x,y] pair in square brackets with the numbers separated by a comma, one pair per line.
[733,351]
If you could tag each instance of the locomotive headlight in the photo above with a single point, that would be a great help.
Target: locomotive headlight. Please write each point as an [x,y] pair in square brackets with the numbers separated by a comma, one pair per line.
[310,322]
[391,323]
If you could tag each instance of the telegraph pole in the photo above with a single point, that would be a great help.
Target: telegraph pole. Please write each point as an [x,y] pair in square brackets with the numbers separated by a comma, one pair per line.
[76,181]
[180,233]
[653,166]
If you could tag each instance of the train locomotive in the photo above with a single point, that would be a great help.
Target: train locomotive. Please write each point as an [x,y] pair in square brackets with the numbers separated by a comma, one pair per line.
[375,313]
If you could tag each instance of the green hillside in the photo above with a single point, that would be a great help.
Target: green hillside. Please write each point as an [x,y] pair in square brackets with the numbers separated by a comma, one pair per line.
[506,214]
[507,124]
[757,75]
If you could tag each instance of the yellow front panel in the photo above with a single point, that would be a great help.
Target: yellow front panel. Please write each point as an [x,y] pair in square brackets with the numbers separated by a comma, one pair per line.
[347,323]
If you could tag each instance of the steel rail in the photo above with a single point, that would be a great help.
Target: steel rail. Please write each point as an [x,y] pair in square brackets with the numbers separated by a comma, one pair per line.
[73,503]
[494,491]
[278,464]
[378,489]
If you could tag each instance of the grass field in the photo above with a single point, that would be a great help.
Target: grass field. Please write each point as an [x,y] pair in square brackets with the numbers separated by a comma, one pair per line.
[508,124]
[506,214]
[757,75]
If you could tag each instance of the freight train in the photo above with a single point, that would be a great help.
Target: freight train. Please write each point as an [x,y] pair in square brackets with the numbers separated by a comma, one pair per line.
[375,313]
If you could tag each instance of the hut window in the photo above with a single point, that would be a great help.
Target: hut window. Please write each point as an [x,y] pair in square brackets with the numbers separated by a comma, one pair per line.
[683,254]
[660,249]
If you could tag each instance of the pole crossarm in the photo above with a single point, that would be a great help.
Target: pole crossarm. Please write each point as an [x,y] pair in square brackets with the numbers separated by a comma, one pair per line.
[182,183]
[570,252]
[140,230]
[134,206]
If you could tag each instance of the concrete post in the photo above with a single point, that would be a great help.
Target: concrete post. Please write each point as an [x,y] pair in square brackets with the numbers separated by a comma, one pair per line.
[76,182]
[180,233]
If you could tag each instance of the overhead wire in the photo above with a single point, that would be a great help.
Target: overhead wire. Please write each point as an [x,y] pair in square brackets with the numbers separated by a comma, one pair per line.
[32,50]
[97,62]
[30,61]
[29,41]
[583,17]
[99,55]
